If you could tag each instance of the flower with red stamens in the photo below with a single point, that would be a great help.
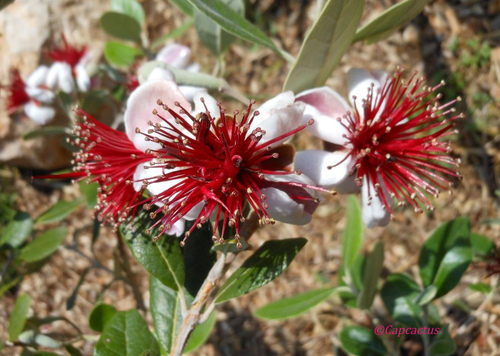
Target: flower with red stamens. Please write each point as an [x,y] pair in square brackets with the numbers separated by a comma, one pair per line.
[17,95]
[69,66]
[391,144]
[209,164]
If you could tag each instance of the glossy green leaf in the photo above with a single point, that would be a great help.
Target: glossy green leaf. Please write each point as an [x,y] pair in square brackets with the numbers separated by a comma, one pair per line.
[126,334]
[100,315]
[18,316]
[89,191]
[201,333]
[70,303]
[443,344]
[233,23]
[482,246]
[294,306]
[352,239]
[390,20]
[184,5]
[17,231]
[427,295]
[120,54]
[129,7]
[399,294]
[212,35]
[264,265]
[371,274]
[361,341]
[43,245]
[121,26]
[325,44]
[480,287]
[166,310]
[59,211]
[47,131]
[446,255]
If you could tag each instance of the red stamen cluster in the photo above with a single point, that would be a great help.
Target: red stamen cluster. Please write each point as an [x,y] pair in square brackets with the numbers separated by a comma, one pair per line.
[396,145]
[68,54]
[219,163]
[108,157]
[17,95]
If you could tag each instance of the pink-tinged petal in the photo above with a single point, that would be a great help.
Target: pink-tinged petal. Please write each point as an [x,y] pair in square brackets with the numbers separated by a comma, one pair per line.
[210,103]
[358,82]
[178,228]
[82,78]
[189,92]
[38,77]
[280,101]
[285,209]
[175,55]
[160,74]
[324,105]
[141,104]
[39,114]
[41,95]
[314,164]
[373,211]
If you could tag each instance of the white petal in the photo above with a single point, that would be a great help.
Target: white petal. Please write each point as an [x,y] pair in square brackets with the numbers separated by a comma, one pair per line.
[314,164]
[141,104]
[373,211]
[280,101]
[82,78]
[174,54]
[194,67]
[53,75]
[39,94]
[160,74]
[38,77]
[359,80]
[285,209]
[65,80]
[178,228]
[210,102]
[189,92]
[39,114]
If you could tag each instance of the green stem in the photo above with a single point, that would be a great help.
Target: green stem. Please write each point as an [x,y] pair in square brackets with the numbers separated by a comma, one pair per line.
[425,336]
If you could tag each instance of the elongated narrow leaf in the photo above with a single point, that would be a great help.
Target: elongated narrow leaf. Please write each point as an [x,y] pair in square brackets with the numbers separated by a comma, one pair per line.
[100,315]
[127,334]
[353,234]
[294,306]
[361,341]
[18,316]
[120,54]
[267,263]
[121,26]
[17,231]
[46,131]
[70,303]
[233,23]
[44,245]
[129,7]
[325,44]
[201,333]
[59,211]
[371,274]
[184,5]
[162,259]
[399,294]
[390,20]
[446,255]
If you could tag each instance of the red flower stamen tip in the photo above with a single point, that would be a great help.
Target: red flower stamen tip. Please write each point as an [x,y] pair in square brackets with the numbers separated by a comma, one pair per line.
[219,165]
[68,54]
[395,141]
[16,92]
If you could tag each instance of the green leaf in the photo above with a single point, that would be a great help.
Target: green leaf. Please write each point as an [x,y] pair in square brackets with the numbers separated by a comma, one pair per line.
[46,341]
[233,23]
[120,54]
[94,100]
[70,303]
[129,7]
[100,315]
[19,316]
[126,334]
[166,310]
[399,295]
[201,333]
[212,35]
[184,6]
[66,103]
[480,287]
[482,246]
[72,351]
[59,211]
[162,259]
[361,341]
[390,20]
[174,34]
[89,191]
[267,263]
[443,344]
[294,306]
[17,231]
[371,273]
[353,235]
[121,26]
[427,295]
[44,245]
[446,255]
[46,131]
[325,44]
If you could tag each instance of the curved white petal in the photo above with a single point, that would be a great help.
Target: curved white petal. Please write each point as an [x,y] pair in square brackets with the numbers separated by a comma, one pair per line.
[314,164]
[189,92]
[41,95]
[38,77]
[143,101]
[210,103]
[39,114]
[178,228]
[53,75]
[373,211]
[358,82]
[65,80]
[283,208]
[280,101]
[160,74]
[82,78]
[193,67]
[174,54]
[325,105]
